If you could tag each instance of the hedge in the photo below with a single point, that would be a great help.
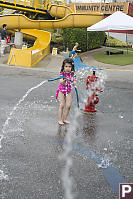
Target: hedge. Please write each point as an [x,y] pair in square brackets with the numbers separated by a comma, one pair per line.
[73,35]
[112,42]
[57,41]
[86,40]
[95,39]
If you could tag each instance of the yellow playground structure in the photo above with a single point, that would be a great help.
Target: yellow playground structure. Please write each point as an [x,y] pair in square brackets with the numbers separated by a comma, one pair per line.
[58,15]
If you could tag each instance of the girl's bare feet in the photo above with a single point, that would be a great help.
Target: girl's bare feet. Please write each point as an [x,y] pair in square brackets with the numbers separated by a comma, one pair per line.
[60,123]
[66,122]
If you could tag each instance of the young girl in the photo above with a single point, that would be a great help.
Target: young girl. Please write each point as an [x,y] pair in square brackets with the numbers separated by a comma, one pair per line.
[64,90]
[74,50]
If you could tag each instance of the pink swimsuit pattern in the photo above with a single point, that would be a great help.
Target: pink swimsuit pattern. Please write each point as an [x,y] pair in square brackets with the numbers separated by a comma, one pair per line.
[65,88]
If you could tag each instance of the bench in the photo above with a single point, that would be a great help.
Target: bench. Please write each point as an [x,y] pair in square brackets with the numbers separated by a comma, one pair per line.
[113,53]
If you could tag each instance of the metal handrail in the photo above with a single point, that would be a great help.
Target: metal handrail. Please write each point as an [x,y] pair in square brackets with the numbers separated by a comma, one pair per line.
[37,4]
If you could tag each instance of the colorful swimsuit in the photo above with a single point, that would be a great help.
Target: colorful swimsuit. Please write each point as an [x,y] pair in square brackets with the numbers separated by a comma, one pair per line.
[66,87]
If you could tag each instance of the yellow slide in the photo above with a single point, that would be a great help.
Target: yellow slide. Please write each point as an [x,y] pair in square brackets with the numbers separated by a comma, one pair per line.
[60,11]
[29,57]
[70,21]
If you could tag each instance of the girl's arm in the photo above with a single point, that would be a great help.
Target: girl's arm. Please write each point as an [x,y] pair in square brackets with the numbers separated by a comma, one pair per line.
[74,83]
[74,48]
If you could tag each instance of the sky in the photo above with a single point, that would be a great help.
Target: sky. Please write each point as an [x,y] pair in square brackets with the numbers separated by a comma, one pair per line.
[84,1]
[80,1]
[88,1]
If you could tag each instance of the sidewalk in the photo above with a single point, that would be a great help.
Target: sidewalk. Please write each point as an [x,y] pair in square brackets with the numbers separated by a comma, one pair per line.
[89,60]
[4,59]
[48,64]
[52,63]
[113,73]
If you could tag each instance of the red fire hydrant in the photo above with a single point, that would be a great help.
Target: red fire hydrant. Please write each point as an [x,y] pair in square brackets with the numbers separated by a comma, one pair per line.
[92,90]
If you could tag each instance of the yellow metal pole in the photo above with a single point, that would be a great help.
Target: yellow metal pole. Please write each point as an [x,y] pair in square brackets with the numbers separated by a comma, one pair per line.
[15,2]
[36,3]
[48,4]
[74,8]
[25,3]
[45,4]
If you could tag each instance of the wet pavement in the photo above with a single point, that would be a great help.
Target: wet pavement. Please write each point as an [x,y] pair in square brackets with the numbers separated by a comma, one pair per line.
[31,154]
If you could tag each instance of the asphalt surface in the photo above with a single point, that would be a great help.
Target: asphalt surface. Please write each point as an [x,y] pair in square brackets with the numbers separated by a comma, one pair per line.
[33,143]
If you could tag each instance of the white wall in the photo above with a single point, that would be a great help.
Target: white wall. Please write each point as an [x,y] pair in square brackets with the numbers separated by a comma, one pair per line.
[122,37]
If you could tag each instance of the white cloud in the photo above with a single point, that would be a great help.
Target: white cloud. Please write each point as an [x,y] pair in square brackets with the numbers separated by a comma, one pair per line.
[80,1]
[90,1]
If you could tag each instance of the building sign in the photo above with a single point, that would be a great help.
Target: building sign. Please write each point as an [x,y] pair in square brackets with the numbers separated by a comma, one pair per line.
[105,8]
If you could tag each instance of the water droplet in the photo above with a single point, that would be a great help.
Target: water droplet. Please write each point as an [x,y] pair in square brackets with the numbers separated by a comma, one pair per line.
[3,176]
[121,116]
[104,163]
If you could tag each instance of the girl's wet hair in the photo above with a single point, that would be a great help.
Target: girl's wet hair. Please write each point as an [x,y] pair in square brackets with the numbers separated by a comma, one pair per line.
[69,61]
